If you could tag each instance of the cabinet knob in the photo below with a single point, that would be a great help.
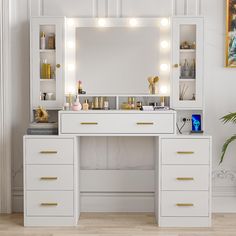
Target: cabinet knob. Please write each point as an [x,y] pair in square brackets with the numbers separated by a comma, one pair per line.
[176,65]
[58,65]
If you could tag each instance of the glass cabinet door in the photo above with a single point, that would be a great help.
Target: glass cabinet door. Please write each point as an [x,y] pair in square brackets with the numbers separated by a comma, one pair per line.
[187,55]
[47,67]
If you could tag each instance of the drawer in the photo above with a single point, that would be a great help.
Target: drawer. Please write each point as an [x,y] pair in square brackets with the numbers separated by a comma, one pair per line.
[49,151]
[116,123]
[185,151]
[49,177]
[49,203]
[184,203]
[174,177]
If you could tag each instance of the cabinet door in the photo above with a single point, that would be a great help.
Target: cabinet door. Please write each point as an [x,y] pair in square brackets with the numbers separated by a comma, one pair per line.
[187,56]
[47,62]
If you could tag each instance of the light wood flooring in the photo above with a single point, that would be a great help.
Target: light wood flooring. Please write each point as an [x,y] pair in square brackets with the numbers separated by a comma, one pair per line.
[117,224]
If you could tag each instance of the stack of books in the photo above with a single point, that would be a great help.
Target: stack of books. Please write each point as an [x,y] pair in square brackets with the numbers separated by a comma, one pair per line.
[50,128]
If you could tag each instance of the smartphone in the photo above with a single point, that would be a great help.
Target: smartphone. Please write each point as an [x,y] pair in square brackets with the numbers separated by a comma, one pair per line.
[196,123]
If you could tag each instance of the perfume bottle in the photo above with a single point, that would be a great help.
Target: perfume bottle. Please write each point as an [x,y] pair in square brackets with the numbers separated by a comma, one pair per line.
[193,69]
[42,41]
[185,70]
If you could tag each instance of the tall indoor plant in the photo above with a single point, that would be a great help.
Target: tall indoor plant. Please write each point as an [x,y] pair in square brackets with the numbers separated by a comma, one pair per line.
[231,117]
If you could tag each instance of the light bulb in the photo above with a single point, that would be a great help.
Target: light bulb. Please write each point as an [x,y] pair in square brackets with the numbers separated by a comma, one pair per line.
[133,22]
[163,89]
[164,67]
[71,67]
[164,22]
[70,45]
[101,22]
[70,22]
[164,44]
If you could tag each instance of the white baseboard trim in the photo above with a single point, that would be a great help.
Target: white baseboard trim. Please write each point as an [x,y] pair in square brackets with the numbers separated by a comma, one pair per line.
[224,201]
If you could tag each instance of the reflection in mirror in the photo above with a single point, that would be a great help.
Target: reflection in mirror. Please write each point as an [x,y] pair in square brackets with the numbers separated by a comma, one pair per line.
[116,60]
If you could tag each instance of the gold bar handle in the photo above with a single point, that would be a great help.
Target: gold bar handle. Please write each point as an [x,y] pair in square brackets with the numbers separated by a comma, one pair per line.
[49,204]
[185,152]
[145,123]
[89,123]
[184,204]
[184,178]
[48,178]
[176,65]
[48,152]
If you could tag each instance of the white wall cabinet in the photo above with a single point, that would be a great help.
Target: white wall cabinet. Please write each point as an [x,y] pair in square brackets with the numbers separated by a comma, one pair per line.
[187,59]
[47,62]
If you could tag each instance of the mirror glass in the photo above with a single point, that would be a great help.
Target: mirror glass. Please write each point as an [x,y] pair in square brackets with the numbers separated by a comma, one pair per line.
[116,60]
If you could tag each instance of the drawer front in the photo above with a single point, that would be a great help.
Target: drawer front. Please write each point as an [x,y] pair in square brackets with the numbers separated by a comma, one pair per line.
[117,123]
[49,151]
[49,177]
[49,203]
[185,151]
[184,203]
[174,177]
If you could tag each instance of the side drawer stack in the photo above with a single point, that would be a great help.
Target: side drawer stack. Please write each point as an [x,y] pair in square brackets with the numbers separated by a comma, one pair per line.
[50,181]
[184,181]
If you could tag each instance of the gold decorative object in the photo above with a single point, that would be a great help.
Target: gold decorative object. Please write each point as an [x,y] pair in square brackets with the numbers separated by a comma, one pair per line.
[153,80]
[41,115]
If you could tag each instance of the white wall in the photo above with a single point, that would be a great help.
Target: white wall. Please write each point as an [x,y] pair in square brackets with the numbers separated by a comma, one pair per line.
[220,82]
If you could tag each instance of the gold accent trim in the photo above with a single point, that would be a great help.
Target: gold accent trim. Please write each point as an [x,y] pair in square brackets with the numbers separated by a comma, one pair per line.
[48,152]
[185,152]
[89,123]
[48,178]
[184,204]
[145,123]
[58,65]
[176,65]
[49,204]
[184,178]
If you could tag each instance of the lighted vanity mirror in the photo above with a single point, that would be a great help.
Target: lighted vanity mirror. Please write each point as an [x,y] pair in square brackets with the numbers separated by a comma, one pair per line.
[118,60]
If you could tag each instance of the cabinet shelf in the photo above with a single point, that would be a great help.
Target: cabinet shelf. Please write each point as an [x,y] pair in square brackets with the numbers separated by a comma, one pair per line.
[47,50]
[47,80]
[187,80]
[187,50]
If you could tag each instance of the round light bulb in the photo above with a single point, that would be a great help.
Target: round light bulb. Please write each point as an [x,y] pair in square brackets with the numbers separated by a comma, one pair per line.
[163,89]
[164,44]
[164,67]
[70,22]
[101,22]
[71,67]
[133,22]
[164,22]
[70,45]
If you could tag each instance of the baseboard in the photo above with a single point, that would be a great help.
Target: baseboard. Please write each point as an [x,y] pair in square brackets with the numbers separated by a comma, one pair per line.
[224,201]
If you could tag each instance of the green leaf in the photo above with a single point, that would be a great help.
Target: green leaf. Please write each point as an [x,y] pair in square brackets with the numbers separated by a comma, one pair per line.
[225,146]
[231,117]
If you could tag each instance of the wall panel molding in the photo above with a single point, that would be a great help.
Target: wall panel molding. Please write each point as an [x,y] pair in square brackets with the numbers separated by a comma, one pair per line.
[5,108]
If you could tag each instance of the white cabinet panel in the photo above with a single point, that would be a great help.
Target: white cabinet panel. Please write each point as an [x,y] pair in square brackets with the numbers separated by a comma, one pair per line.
[180,7]
[192,7]
[69,8]
[146,8]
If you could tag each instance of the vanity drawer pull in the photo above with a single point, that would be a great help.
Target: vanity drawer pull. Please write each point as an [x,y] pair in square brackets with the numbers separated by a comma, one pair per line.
[48,152]
[48,178]
[49,204]
[184,178]
[185,152]
[184,204]
[145,123]
[176,65]
[58,65]
[89,123]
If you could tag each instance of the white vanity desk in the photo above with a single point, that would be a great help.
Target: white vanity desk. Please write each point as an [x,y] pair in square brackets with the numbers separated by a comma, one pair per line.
[181,176]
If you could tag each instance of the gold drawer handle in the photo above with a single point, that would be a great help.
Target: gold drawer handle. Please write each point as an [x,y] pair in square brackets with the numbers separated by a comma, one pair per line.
[48,178]
[49,204]
[145,123]
[185,152]
[176,65]
[48,152]
[58,65]
[89,123]
[184,204]
[184,178]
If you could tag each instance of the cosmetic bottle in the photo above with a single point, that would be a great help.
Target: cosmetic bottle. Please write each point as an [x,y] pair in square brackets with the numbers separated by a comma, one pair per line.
[42,41]
[80,90]
[85,105]
[77,105]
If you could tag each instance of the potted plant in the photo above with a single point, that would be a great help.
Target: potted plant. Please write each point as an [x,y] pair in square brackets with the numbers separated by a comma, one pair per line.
[231,117]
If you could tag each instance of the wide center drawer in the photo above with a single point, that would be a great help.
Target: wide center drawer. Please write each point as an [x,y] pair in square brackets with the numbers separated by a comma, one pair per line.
[175,177]
[185,151]
[116,123]
[49,203]
[49,151]
[184,203]
[49,177]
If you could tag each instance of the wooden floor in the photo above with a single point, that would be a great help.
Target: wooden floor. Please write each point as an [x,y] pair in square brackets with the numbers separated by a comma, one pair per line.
[117,224]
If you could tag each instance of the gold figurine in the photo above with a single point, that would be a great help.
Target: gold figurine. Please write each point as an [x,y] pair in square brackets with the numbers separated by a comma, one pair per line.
[153,80]
[41,115]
